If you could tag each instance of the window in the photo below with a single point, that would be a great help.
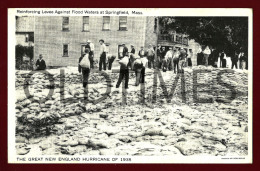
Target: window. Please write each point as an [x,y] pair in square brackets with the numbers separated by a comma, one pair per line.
[65,23]
[65,50]
[122,23]
[31,37]
[120,51]
[155,25]
[86,23]
[106,23]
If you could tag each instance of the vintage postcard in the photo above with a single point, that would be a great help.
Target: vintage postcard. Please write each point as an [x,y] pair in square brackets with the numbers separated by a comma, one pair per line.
[121,85]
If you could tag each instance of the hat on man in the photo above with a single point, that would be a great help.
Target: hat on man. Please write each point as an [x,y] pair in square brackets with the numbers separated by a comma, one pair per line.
[123,44]
[132,45]
[101,40]
[88,41]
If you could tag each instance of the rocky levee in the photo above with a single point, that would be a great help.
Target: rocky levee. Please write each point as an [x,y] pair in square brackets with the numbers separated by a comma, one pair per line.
[131,86]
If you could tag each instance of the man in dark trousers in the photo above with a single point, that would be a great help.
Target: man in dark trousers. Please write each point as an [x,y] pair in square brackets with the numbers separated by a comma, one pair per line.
[40,63]
[150,56]
[124,73]
[110,59]
[91,53]
[138,66]
[132,57]
[234,60]
[222,60]
[102,60]
[84,71]
[159,56]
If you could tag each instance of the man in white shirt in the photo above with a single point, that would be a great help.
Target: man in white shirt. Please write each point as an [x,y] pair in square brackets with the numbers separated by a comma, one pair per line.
[150,56]
[168,58]
[206,52]
[102,53]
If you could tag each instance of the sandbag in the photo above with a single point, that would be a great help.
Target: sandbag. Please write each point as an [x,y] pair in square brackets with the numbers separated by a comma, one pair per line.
[85,63]
[144,61]
[124,61]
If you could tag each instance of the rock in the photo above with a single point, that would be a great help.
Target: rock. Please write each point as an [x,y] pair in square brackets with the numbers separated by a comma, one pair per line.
[22,151]
[20,139]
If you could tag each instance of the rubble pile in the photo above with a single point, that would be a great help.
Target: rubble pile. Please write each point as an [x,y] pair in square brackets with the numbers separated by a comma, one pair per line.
[137,121]
[55,78]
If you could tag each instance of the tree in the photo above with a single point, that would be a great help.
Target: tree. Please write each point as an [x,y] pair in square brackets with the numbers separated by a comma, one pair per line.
[222,33]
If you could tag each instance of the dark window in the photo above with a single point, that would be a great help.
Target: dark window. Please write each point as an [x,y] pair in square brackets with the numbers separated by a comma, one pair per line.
[86,23]
[122,23]
[65,50]
[65,23]
[106,23]
[31,37]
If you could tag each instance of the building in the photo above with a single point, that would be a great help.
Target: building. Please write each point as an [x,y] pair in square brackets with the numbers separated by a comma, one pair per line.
[25,31]
[62,40]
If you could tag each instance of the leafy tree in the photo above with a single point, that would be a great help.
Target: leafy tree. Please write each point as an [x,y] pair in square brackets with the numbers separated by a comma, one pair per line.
[222,33]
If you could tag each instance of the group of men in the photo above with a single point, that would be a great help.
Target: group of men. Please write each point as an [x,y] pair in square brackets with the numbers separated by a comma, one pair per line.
[172,59]
[218,58]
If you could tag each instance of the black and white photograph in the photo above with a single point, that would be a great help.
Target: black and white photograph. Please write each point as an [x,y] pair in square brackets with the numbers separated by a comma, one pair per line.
[130,85]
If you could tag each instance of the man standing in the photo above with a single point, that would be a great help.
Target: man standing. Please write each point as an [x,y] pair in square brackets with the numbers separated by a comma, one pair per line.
[91,53]
[243,59]
[168,58]
[234,60]
[40,63]
[132,57]
[182,59]
[163,63]
[124,71]
[190,55]
[199,57]
[222,60]
[141,52]
[85,70]
[159,56]
[125,50]
[150,56]
[102,60]
[206,52]
[137,66]
[175,60]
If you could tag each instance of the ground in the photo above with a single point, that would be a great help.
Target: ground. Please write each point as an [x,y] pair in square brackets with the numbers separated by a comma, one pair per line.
[136,127]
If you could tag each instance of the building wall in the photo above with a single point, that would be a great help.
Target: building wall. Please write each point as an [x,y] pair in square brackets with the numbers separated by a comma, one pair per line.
[150,34]
[25,24]
[49,37]
[195,48]
[20,39]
